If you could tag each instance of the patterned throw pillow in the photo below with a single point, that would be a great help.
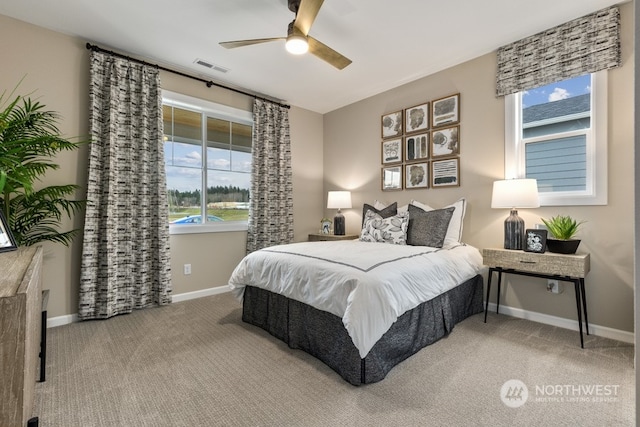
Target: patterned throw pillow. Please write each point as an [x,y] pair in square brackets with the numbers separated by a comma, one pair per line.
[428,228]
[385,230]
[386,212]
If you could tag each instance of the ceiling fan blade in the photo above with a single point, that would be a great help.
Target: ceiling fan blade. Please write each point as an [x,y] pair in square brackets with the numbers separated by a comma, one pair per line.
[325,53]
[240,43]
[307,12]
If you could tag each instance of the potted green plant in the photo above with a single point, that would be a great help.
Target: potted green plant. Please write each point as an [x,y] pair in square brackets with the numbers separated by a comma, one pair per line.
[562,229]
[29,138]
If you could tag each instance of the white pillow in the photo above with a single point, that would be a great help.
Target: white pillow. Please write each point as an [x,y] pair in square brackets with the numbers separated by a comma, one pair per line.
[454,232]
[385,230]
[379,206]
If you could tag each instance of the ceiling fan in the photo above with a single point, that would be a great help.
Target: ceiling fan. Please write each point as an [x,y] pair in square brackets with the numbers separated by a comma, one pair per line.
[298,40]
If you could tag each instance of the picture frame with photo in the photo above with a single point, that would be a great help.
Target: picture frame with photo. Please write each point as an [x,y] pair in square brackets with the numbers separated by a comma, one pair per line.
[445,173]
[445,142]
[416,147]
[391,151]
[535,240]
[391,124]
[445,111]
[416,175]
[7,241]
[391,178]
[416,119]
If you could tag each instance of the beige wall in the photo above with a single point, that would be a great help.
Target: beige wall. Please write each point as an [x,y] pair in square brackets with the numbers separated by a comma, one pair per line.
[352,161]
[55,68]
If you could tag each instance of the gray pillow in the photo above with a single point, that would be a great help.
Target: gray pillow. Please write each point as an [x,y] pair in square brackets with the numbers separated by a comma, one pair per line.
[387,212]
[428,228]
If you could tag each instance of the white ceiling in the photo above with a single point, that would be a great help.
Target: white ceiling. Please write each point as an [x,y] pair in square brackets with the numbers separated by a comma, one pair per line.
[391,42]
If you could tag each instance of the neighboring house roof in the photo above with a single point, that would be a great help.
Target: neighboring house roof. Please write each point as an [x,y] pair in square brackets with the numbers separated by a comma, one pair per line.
[549,110]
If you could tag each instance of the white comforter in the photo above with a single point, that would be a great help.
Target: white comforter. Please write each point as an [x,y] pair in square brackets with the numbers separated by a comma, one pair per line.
[368,285]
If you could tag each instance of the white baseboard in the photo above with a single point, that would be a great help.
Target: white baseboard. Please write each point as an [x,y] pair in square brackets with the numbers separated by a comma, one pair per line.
[561,322]
[199,294]
[52,322]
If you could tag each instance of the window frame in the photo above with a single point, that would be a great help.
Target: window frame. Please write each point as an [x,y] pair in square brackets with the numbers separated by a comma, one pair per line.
[596,150]
[218,111]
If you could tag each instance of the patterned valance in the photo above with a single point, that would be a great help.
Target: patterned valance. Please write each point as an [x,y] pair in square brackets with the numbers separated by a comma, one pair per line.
[584,45]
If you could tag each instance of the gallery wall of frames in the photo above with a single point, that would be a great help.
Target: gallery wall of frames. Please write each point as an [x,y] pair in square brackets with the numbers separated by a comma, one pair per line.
[421,146]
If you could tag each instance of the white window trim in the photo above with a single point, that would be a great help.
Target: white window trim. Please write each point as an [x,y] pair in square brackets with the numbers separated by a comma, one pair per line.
[222,112]
[514,166]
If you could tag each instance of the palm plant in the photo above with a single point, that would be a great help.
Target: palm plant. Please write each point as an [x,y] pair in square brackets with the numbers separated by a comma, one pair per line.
[29,138]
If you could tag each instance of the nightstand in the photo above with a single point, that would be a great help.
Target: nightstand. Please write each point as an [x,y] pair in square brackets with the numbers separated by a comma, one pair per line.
[325,237]
[548,265]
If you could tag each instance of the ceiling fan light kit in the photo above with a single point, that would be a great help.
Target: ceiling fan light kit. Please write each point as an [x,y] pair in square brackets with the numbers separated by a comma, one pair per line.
[298,40]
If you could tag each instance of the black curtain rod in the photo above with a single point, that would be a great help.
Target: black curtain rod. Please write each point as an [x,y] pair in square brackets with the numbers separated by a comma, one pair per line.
[209,83]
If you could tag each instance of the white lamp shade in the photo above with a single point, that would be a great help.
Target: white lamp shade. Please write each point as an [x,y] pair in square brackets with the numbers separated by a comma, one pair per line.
[515,193]
[339,200]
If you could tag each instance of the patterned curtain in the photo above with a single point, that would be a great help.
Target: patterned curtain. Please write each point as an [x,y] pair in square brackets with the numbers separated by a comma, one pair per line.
[125,259]
[584,45]
[271,206]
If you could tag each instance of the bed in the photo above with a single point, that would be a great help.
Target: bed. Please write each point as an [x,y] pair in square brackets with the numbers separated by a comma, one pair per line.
[360,307]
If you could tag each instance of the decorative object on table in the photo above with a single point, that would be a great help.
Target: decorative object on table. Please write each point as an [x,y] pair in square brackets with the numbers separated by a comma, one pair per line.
[445,141]
[7,242]
[416,175]
[392,178]
[513,194]
[339,200]
[445,111]
[445,173]
[416,118]
[536,240]
[392,124]
[416,147]
[325,226]
[392,151]
[563,228]
[29,139]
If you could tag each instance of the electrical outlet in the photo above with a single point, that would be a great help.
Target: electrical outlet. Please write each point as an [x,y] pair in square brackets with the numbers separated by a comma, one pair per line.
[554,287]
[187,269]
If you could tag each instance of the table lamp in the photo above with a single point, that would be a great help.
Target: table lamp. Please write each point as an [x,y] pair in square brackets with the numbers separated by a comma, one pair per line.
[513,194]
[339,200]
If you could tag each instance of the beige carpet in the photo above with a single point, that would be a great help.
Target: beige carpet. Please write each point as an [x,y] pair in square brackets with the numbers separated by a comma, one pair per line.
[195,363]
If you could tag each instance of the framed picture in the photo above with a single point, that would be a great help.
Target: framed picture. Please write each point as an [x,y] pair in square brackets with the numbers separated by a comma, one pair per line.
[416,118]
[392,178]
[445,111]
[445,141]
[445,173]
[535,240]
[392,151]
[416,147]
[7,242]
[325,226]
[416,175]
[392,124]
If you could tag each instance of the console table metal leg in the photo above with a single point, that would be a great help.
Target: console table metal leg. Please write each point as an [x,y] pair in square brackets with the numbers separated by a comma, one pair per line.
[499,284]
[584,304]
[486,304]
[576,283]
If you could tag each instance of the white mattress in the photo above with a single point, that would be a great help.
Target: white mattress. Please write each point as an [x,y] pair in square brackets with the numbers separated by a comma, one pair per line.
[368,285]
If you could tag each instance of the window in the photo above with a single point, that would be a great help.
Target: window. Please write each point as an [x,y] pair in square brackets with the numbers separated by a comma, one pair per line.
[557,134]
[207,163]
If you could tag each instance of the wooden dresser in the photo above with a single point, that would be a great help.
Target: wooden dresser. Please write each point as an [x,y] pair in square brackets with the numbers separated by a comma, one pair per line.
[20,319]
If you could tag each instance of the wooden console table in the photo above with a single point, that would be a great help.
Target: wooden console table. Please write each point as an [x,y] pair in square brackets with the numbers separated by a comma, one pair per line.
[20,328]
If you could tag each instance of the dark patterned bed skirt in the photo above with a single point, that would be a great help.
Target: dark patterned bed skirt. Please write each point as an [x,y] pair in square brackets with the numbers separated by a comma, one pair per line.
[323,335]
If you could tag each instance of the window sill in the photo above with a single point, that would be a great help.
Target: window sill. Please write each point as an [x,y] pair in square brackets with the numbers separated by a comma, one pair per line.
[207,228]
